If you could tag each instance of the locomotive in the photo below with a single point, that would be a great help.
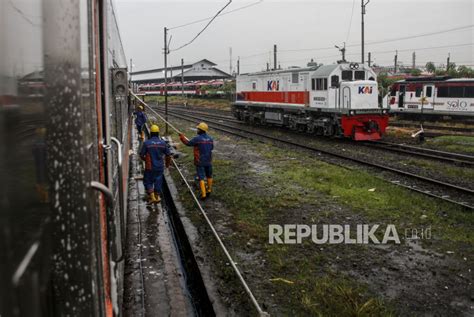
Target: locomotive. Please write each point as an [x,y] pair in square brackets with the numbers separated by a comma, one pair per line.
[442,96]
[330,100]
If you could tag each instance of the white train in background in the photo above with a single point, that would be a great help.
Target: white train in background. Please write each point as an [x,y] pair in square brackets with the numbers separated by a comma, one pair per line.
[432,96]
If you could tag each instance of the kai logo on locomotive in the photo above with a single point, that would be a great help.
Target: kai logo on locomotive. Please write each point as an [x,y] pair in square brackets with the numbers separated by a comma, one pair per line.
[273,85]
[365,90]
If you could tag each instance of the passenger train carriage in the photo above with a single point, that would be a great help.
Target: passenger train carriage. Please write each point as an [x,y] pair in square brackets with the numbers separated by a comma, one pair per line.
[441,96]
[65,124]
[332,100]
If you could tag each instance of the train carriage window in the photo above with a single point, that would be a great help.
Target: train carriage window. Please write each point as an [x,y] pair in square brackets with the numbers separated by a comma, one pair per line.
[469,92]
[418,92]
[254,85]
[294,78]
[429,91]
[359,75]
[347,75]
[443,91]
[335,81]
[402,89]
[456,92]
[393,91]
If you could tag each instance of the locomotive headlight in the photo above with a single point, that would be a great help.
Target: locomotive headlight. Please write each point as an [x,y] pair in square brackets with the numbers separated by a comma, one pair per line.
[352,112]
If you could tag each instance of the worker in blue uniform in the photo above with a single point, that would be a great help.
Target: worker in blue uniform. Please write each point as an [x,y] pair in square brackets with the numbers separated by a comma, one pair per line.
[203,145]
[140,120]
[152,152]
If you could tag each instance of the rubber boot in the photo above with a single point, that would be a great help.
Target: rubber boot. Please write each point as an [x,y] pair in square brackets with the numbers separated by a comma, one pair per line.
[157,198]
[202,185]
[209,186]
[151,198]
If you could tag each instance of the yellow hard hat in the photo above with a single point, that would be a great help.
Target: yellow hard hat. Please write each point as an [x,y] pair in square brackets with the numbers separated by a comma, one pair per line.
[140,107]
[155,129]
[202,126]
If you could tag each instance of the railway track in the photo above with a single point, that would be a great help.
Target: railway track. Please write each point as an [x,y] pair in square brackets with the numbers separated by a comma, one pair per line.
[449,157]
[432,127]
[442,195]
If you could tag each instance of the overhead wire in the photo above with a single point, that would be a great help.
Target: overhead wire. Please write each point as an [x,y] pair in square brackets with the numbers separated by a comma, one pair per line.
[207,25]
[208,18]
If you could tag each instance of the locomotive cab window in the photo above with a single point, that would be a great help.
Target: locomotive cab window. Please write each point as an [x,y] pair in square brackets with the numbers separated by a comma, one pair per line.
[359,75]
[313,84]
[334,81]
[254,85]
[347,75]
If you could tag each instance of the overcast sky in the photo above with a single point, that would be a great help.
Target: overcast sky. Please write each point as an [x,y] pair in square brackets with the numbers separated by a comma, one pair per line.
[313,27]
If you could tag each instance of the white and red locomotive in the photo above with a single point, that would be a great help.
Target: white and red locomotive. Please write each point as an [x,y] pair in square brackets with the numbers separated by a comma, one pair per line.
[331,100]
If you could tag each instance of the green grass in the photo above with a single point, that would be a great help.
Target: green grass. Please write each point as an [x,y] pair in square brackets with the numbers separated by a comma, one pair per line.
[464,144]
[214,103]
[452,171]
[300,276]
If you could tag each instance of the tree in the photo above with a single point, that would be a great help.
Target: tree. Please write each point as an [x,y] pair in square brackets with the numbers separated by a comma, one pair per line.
[430,67]
[415,72]
[466,72]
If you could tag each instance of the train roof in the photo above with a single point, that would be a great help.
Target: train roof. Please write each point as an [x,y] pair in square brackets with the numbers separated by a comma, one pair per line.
[288,70]
[325,70]
[447,79]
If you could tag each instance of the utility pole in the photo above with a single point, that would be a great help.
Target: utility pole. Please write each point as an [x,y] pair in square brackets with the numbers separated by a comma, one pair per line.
[238,65]
[230,61]
[413,66]
[448,61]
[369,59]
[274,57]
[268,66]
[166,80]
[182,77]
[363,4]
[130,77]
[396,61]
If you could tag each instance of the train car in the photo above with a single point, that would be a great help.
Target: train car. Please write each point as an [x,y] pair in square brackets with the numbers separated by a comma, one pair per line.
[330,100]
[64,127]
[206,88]
[432,96]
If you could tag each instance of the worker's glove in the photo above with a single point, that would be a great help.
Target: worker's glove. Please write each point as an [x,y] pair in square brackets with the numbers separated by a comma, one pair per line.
[183,138]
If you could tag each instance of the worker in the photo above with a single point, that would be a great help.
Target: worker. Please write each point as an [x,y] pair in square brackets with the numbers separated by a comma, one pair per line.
[203,146]
[152,153]
[140,120]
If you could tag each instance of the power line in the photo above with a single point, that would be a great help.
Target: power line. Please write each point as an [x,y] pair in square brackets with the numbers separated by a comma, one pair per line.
[208,18]
[387,40]
[209,23]
[350,22]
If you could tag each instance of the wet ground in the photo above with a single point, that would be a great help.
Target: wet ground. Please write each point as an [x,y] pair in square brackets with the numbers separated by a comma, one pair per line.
[411,278]
[154,281]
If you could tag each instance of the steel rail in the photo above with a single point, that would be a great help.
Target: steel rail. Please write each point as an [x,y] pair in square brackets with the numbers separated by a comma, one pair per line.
[427,153]
[383,167]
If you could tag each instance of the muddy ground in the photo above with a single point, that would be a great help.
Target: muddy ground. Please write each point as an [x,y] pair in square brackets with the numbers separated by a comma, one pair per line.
[414,278]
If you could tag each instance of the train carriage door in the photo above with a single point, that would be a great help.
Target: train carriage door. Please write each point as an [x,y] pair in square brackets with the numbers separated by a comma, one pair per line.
[428,93]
